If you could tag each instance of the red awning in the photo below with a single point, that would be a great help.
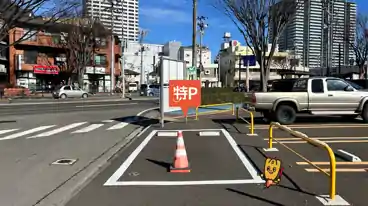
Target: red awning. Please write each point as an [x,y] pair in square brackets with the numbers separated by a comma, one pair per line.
[45,69]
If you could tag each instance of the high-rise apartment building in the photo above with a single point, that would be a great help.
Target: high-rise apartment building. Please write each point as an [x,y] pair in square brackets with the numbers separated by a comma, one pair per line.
[319,31]
[122,16]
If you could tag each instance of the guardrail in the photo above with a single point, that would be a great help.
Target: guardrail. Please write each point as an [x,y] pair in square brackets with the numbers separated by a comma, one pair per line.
[315,142]
[232,108]
[251,123]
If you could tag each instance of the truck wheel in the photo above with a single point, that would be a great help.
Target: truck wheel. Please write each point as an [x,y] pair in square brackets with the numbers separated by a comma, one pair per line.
[365,113]
[285,114]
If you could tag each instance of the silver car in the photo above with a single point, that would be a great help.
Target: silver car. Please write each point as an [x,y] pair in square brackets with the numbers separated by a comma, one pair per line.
[69,91]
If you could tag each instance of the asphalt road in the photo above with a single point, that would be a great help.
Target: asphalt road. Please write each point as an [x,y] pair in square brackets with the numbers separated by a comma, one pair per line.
[214,158]
[29,144]
[60,106]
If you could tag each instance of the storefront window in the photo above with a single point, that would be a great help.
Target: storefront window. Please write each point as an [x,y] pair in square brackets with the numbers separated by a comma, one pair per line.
[30,56]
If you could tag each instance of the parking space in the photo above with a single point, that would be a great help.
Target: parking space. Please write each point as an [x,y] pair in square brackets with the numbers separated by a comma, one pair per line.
[225,170]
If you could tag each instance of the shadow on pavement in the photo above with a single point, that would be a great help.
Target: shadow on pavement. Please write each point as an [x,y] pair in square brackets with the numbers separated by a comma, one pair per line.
[160,163]
[258,150]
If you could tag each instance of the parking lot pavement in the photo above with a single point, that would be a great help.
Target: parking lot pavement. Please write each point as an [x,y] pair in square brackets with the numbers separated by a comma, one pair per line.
[225,170]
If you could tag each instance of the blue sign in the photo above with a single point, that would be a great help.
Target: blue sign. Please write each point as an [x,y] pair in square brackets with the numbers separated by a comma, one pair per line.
[249,58]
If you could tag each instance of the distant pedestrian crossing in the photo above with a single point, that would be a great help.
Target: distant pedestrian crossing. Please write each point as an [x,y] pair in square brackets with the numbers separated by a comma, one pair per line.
[51,130]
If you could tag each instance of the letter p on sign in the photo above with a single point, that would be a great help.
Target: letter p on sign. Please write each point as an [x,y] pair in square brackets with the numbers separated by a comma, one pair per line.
[185,94]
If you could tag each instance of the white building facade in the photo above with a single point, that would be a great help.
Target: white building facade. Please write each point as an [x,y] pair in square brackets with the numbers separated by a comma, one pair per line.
[132,61]
[123,16]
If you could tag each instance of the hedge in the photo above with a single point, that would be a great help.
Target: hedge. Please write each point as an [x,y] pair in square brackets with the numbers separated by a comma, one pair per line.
[221,95]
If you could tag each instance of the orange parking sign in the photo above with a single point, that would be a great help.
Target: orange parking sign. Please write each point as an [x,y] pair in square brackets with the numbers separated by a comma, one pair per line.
[185,94]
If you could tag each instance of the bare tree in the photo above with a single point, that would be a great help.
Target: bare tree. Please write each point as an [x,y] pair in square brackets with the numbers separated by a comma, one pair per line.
[14,13]
[80,42]
[260,22]
[359,44]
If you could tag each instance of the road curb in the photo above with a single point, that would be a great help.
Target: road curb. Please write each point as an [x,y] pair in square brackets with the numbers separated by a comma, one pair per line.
[347,156]
[64,192]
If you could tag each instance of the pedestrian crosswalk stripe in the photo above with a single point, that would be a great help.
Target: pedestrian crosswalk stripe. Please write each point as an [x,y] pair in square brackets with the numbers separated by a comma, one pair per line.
[88,128]
[7,131]
[27,132]
[61,129]
[108,121]
[118,126]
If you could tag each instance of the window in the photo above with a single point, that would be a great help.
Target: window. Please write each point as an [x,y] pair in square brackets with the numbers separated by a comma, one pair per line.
[300,86]
[67,88]
[30,57]
[317,86]
[336,85]
[101,41]
[29,35]
[75,88]
[100,60]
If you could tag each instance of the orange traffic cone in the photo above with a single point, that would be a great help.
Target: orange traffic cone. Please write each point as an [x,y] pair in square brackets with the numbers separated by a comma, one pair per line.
[181,164]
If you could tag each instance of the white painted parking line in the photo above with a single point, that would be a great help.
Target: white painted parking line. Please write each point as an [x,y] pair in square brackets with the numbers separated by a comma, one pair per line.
[27,132]
[209,133]
[7,131]
[61,129]
[167,134]
[88,128]
[114,179]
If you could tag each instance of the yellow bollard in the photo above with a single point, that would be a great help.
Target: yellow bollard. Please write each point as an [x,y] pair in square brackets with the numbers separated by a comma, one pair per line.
[196,115]
[251,123]
[270,134]
[332,173]
[233,109]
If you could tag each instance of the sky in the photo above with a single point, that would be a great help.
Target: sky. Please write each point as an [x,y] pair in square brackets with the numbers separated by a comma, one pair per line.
[169,20]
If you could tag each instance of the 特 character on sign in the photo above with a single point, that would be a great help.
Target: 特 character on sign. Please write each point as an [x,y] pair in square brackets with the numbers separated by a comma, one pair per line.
[183,92]
[272,172]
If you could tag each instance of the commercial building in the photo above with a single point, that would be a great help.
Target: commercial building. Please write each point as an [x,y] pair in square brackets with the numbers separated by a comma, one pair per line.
[318,33]
[209,72]
[39,61]
[123,15]
[232,51]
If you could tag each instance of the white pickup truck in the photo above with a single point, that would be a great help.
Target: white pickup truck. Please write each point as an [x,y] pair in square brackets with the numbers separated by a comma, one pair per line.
[316,96]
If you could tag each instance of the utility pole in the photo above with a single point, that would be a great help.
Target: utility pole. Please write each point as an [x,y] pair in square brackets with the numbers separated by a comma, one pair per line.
[202,26]
[142,48]
[124,46]
[194,34]
[239,72]
[339,58]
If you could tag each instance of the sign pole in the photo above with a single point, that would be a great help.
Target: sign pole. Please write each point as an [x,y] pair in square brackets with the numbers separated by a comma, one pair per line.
[162,95]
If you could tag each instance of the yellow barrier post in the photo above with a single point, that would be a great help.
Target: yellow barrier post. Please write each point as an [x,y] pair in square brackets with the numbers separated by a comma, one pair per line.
[233,109]
[315,142]
[251,123]
[270,135]
[237,113]
[196,114]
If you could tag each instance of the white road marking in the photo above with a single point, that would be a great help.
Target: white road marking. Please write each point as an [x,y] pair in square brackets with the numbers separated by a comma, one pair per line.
[27,132]
[108,121]
[248,165]
[120,125]
[61,129]
[113,180]
[88,128]
[105,105]
[7,131]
